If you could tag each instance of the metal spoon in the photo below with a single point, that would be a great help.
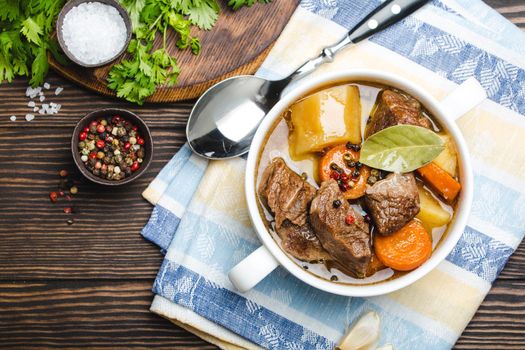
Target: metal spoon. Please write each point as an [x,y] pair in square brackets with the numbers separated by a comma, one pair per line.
[224,119]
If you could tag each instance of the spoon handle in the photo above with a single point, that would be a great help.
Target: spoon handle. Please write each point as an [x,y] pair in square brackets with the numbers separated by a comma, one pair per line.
[386,14]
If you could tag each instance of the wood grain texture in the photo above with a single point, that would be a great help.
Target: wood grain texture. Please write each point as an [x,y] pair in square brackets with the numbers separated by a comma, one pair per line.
[237,44]
[85,314]
[88,285]
[114,314]
[513,10]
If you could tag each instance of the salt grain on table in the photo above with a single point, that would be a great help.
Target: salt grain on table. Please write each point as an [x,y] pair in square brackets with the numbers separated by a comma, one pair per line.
[29,117]
[31,104]
[58,90]
[94,32]
[33,92]
[47,86]
[12,118]
[42,98]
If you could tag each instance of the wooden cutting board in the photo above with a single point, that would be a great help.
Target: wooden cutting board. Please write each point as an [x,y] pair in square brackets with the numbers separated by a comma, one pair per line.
[237,44]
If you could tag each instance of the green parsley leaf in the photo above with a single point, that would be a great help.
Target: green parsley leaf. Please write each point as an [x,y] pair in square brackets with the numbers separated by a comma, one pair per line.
[32,30]
[134,8]
[39,67]
[10,10]
[237,4]
[205,14]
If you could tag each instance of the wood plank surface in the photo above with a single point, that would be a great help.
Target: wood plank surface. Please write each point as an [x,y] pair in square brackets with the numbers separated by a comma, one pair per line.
[513,10]
[87,285]
[114,314]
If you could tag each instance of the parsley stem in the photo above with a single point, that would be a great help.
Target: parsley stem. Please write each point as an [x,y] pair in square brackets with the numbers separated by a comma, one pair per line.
[155,23]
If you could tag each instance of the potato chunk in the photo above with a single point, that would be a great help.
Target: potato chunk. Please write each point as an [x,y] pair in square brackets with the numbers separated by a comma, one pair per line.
[431,212]
[326,118]
[447,159]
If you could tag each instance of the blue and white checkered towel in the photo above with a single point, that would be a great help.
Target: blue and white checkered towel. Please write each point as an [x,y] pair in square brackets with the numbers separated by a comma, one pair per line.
[201,221]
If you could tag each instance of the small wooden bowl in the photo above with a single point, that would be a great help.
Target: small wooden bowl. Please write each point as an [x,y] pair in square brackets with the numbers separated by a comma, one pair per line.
[126,115]
[73,3]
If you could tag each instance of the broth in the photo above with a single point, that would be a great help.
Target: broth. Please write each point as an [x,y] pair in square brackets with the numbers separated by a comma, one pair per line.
[277,144]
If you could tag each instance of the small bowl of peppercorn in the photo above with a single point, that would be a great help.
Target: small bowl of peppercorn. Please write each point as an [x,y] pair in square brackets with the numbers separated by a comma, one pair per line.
[112,146]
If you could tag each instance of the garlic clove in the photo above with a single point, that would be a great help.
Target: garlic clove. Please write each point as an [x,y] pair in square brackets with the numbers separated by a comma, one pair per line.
[363,335]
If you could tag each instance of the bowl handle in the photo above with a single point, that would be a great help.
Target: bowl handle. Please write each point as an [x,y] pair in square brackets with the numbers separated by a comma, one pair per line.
[252,269]
[462,99]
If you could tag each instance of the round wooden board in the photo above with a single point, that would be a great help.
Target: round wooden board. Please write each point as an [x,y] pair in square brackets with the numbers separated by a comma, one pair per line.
[237,44]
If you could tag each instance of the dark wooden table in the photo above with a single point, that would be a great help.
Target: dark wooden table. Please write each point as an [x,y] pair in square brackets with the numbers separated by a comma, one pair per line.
[88,284]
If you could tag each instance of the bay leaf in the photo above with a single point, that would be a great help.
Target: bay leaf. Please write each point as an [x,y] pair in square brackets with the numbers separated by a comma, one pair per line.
[401,148]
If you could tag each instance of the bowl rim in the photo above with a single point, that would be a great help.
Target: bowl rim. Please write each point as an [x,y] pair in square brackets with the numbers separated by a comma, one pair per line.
[454,231]
[60,21]
[125,114]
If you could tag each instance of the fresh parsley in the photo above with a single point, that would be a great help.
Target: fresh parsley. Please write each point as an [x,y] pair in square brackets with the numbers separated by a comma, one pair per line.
[137,77]
[25,27]
[237,4]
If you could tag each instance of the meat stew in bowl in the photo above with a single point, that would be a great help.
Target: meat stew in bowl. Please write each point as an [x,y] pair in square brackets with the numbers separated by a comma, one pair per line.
[358,183]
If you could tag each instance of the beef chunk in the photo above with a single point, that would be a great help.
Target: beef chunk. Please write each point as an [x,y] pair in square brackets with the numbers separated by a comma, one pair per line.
[394,108]
[393,202]
[342,231]
[285,193]
[301,242]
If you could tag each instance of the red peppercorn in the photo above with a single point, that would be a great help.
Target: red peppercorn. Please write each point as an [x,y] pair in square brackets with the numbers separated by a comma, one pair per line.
[135,166]
[68,210]
[61,193]
[349,220]
[82,136]
[63,173]
[53,196]
[100,144]
[115,119]
[134,128]
[86,129]
[93,155]
[101,128]
[140,141]
[344,177]
[127,145]
[334,175]
[94,122]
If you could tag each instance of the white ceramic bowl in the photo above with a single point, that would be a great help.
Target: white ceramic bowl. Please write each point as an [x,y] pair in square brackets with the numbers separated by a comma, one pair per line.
[255,267]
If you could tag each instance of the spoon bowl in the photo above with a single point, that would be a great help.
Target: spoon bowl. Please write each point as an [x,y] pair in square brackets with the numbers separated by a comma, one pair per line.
[224,119]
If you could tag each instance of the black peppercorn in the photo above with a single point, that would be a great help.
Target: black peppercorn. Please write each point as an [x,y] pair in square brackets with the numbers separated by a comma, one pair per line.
[337,203]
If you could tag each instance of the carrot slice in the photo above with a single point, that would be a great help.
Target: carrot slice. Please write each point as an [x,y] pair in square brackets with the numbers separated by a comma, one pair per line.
[406,249]
[440,181]
[356,186]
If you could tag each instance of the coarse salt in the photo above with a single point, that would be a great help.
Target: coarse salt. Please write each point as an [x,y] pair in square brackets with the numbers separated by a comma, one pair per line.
[47,86]
[31,104]
[33,92]
[59,90]
[12,118]
[94,32]
[42,98]
[29,117]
